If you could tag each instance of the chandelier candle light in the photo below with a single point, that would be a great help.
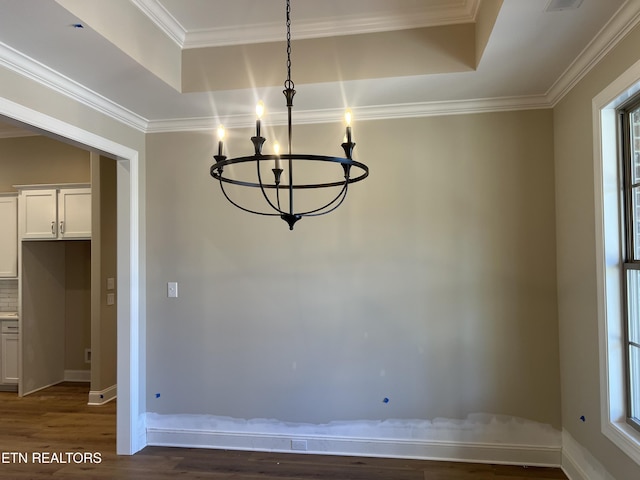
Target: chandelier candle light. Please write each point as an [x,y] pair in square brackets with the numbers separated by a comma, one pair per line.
[287,160]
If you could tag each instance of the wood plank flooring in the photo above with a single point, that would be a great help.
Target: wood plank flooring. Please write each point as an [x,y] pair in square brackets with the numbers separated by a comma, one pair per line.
[57,426]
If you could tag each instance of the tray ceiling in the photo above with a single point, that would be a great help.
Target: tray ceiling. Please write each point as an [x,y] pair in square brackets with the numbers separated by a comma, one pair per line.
[190,64]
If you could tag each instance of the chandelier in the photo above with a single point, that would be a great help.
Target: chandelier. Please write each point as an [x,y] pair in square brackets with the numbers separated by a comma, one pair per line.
[278,185]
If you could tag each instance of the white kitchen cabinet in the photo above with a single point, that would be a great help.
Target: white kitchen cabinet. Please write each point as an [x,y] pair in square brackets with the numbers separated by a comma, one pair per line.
[38,214]
[74,213]
[9,353]
[54,212]
[8,235]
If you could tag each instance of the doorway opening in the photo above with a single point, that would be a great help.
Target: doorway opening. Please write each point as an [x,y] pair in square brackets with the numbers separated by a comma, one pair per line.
[131,435]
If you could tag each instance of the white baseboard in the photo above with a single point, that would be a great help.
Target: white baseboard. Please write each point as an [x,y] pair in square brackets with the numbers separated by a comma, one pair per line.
[77,375]
[578,463]
[103,396]
[483,441]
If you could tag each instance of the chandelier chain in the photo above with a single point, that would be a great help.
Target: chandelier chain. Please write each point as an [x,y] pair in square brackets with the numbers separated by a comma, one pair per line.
[289,83]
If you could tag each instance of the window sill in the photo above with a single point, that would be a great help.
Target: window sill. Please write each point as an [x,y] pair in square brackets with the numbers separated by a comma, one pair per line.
[624,437]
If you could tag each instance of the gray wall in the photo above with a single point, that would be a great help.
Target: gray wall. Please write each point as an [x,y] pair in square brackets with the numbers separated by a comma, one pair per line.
[579,344]
[434,285]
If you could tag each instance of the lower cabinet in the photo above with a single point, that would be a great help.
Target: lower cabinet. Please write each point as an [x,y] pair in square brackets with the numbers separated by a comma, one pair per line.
[9,353]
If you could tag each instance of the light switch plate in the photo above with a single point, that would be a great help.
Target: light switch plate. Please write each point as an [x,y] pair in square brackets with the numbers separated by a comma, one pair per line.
[111,298]
[172,289]
[111,283]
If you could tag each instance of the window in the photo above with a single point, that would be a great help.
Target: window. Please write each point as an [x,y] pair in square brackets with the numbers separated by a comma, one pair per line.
[612,268]
[629,123]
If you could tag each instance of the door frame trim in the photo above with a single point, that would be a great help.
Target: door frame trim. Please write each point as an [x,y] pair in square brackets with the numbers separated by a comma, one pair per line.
[130,428]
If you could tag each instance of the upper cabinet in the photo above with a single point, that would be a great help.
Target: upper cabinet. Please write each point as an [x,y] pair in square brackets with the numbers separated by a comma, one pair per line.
[38,214]
[8,235]
[74,213]
[54,212]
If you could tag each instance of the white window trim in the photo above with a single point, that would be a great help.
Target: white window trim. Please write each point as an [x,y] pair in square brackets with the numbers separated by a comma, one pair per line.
[608,261]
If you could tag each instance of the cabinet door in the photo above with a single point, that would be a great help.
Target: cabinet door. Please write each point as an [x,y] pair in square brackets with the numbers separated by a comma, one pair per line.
[9,236]
[74,213]
[38,214]
[9,349]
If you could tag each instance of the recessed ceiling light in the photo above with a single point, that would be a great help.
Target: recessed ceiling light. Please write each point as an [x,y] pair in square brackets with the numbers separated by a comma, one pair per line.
[559,5]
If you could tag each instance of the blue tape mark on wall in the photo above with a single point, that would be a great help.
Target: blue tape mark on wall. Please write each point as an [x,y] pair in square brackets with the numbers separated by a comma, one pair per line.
[386,400]
[583,418]
[157,395]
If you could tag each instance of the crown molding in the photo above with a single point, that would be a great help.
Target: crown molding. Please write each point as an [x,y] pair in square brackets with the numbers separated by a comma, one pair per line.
[624,20]
[161,17]
[455,107]
[376,112]
[464,11]
[28,67]
[23,65]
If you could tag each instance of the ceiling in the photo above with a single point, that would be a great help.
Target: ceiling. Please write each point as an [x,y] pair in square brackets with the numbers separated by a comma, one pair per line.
[170,65]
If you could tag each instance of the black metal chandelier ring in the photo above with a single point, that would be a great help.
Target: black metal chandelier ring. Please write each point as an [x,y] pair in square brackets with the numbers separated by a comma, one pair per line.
[217,170]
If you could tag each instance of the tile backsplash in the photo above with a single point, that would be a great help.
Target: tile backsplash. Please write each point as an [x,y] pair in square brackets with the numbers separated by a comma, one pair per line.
[8,295]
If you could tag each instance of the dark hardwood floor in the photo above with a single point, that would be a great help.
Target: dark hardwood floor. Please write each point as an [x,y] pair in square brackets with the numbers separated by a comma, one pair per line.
[55,426]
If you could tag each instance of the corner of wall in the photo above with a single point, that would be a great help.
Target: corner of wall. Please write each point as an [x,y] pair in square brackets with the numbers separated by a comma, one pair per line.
[578,463]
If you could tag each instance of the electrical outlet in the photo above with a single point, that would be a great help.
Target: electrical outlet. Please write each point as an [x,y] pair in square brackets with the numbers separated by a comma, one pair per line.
[111,298]
[300,445]
[172,289]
